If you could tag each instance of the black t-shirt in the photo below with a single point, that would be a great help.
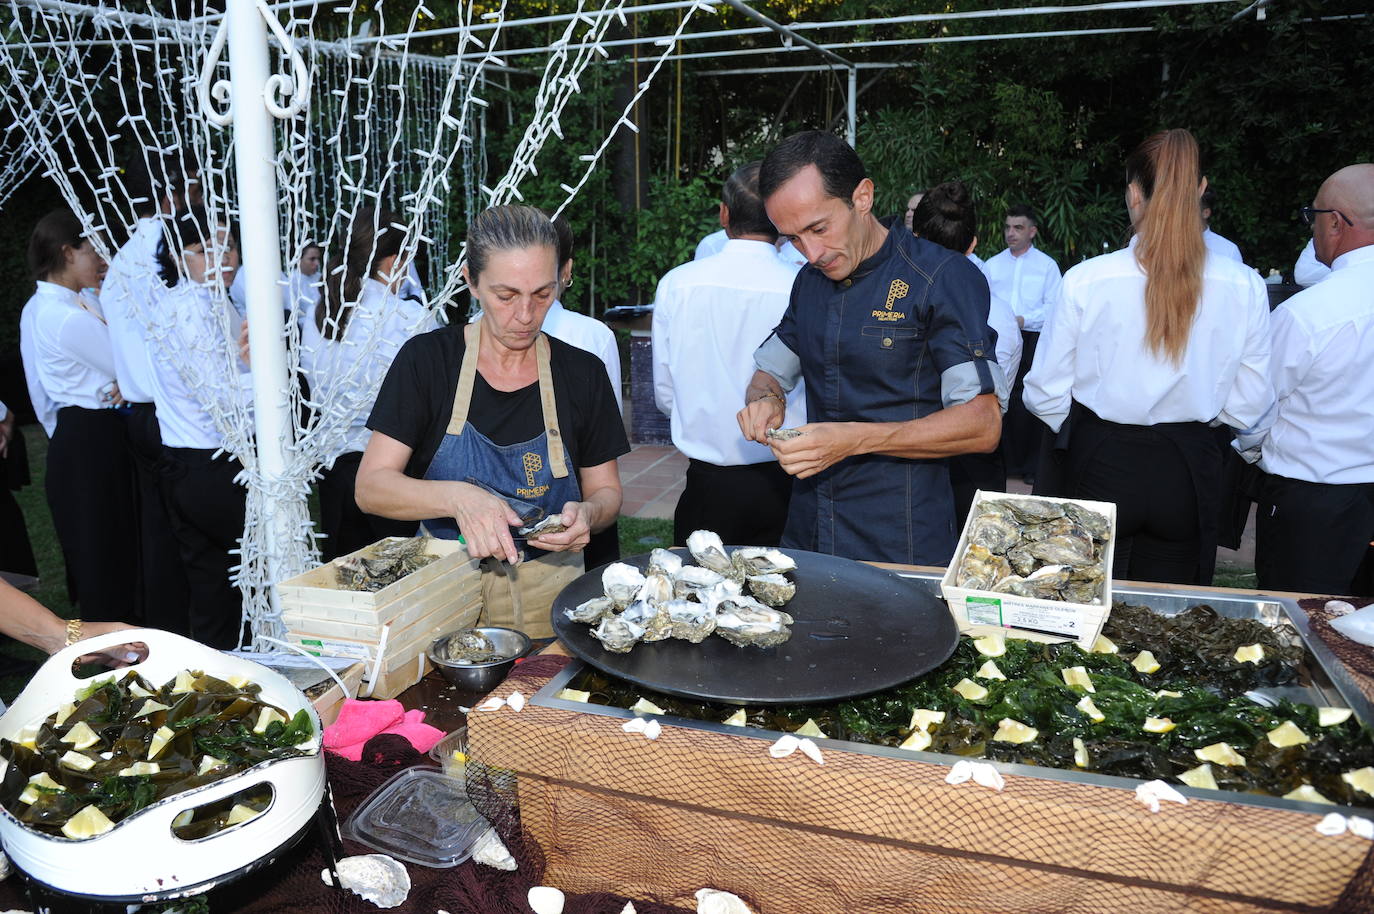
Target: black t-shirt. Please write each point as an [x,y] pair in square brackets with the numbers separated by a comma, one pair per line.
[415,402]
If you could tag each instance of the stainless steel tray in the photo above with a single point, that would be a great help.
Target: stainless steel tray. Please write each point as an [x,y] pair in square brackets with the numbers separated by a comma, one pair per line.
[1325,682]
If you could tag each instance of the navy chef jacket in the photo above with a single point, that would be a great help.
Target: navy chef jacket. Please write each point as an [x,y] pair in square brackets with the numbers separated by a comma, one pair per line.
[905,335]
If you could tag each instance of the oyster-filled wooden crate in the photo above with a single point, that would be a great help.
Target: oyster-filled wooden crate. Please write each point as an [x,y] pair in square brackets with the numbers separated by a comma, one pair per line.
[389,629]
[880,829]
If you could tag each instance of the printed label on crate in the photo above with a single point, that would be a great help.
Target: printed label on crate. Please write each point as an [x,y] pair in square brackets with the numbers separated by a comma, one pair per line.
[984,610]
[326,647]
[1066,620]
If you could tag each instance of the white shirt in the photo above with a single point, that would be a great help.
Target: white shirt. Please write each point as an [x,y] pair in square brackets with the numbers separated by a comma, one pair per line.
[1223,247]
[193,324]
[66,353]
[299,296]
[348,372]
[1094,351]
[1323,373]
[587,334]
[125,297]
[711,245]
[1309,271]
[1029,284]
[1000,318]
[788,254]
[709,317]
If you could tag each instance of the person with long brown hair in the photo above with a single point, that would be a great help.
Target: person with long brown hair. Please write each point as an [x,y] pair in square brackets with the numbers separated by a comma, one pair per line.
[1148,348]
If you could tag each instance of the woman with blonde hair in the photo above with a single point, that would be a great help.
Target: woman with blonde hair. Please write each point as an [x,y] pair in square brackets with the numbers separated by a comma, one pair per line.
[1150,348]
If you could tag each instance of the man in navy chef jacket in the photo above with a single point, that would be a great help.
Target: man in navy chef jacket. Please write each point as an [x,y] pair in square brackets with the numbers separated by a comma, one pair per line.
[890,333]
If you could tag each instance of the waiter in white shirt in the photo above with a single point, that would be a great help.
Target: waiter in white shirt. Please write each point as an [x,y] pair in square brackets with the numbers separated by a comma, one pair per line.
[709,317]
[1149,348]
[126,299]
[1315,516]
[1309,271]
[1222,247]
[945,214]
[1028,280]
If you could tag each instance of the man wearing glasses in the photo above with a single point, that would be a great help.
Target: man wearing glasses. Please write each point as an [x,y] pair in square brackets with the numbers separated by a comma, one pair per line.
[1315,516]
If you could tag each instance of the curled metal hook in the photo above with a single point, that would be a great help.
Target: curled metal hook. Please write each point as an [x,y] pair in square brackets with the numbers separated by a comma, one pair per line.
[294,89]
[211,90]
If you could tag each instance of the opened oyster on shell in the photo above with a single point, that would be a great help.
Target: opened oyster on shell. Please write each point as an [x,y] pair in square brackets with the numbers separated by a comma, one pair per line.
[616,635]
[772,589]
[744,621]
[621,583]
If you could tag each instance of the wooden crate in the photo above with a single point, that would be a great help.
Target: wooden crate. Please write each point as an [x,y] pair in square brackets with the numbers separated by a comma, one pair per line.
[388,630]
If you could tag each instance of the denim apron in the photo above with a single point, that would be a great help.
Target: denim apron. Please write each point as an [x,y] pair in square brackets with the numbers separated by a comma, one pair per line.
[530,474]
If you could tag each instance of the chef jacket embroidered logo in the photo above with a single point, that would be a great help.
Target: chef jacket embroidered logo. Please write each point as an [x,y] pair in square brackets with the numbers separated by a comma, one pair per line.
[897,290]
[533,463]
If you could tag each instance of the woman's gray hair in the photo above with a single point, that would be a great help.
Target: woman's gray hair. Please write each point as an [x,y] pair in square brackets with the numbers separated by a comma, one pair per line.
[507,228]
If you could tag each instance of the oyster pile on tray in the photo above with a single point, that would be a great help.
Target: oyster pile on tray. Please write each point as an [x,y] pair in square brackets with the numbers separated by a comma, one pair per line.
[1032,548]
[731,594]
[387,564]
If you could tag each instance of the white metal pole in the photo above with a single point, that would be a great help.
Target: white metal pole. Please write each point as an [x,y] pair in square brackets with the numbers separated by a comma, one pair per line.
[853,130]
[254,158]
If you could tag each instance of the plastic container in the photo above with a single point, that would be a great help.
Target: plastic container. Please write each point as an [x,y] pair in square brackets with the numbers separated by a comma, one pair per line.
[451,753]
[420,816]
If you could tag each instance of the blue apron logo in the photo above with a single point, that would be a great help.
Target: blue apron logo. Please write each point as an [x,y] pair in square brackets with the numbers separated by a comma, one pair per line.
[532,463]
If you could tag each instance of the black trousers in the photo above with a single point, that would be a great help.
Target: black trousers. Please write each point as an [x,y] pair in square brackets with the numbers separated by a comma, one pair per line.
[1146,475]
[206,509]
[1310,537]
[164,595]
[90,486]
[1021,431]
[347,527]
[746,505]
[16,551]
[970,472]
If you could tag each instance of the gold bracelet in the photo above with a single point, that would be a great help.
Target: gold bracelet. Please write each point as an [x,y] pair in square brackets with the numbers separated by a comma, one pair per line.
[73,631]
[770,396]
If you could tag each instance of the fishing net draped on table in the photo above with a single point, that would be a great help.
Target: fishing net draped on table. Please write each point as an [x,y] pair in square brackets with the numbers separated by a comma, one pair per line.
[600,810]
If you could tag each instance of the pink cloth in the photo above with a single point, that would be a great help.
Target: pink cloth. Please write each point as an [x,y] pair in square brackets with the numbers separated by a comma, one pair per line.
[359,721]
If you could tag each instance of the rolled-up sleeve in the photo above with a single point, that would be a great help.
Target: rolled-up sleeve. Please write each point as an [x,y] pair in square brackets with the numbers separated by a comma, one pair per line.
[963,345]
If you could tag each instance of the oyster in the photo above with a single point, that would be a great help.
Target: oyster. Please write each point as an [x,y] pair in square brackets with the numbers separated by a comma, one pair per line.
[745,621]
[782,434]
[1032,511]
[1009,584]
[377,878]
[724,589]
[1083,591]
[1022,562]
[388,563]
[551,524]
[707,549]
[692,579]
[690,621]
[621,582]
[616,635]
[1044,583]
[996,532]
[651,617]
[469,646]
[592,611]
[751,560]
[981,568]
[1097,525]
[1063,549]
[772,589]
[657,588]
[662,561]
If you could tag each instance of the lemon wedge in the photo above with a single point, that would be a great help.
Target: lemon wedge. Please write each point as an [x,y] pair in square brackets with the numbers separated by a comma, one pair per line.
[41,779]
[573,695]
[1145,662]
[63,712]
[77,761]
[185,683]
[184,818]
[1168,693]
[1199,777]
[971,690]
[241,813]
[1221,754]
[1089,709]
[1250,653]
[1308,794]
[265,718]
[810,728]
[138,691]
[1077,676]
[1013,731]
[645,706]
[238,682]
[28,738]
[149,706]
[1080,753]
[918,741]
[735,720]
[138,768]
[81,736]
[1287,734]
[989,670]
[208,763]
[1158,725]
[923,718]
[991,646]
[1362,779]
[87,823]
[161,737]
[1329,717]
[1103,645]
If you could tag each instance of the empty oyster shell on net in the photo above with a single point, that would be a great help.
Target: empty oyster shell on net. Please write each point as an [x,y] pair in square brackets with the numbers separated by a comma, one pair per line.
[621,582]
[650,617]
[592,611]
[772,589]
[707,549]
[616,635]
[662,561]
[692,579]
[690,621]
[744,621]
[759,560]
[377,878]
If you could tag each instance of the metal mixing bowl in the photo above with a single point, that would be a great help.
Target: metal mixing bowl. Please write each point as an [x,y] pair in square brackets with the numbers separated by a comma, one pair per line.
[479,677]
